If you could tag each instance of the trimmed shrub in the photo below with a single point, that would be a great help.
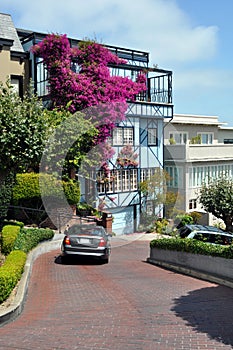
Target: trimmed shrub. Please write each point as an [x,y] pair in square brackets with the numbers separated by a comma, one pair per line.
[11,272]
[71,191]
[26,191]
[193,246]
[27,194]
[9,236]
[183,219]
[30,237]
[160,225]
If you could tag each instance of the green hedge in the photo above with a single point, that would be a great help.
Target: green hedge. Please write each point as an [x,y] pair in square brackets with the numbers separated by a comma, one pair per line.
[193,246]
[10,273]
[27,190]
[16,242]
[29,238]
[8,238]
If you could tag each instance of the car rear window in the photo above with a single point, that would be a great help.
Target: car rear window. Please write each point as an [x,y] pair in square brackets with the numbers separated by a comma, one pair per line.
[77,230]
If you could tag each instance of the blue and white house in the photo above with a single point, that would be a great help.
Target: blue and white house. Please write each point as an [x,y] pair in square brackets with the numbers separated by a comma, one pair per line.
[141,132]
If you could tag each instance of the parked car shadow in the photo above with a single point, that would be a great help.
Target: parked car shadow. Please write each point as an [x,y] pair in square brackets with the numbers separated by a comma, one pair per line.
[77,260]
[208,310]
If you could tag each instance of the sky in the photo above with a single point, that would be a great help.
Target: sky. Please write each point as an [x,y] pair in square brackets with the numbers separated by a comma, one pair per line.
[193,38]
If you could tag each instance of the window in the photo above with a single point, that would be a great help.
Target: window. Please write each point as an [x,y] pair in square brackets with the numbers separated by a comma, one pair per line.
[202,174]
[42,78]
[206,138]
[147,173]
[17,84]
[122,180]
[123,136]
[192,204]
[180,138]
[133,179]
[175,176]
[152,136]
[228,141]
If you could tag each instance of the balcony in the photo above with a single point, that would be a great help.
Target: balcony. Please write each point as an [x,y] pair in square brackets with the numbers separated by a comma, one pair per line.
[198,153]
[159,82]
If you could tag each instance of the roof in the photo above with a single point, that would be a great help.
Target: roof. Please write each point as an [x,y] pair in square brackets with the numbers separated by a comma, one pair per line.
[196,119]
[8,32]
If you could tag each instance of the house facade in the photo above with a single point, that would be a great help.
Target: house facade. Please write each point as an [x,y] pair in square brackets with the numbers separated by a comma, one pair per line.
[140,134]
[196,148]
[13,58]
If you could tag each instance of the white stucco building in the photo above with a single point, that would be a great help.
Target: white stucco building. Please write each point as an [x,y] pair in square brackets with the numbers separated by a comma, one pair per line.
[196,147]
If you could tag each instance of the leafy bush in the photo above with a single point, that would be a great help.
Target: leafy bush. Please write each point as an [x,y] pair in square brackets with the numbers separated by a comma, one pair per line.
[11,272]
[72,191]
[195,216]
[27,191]
[84,209]
[27,195]
[160,225]
[193,246]
[183,219]
[9,236]
[29,238]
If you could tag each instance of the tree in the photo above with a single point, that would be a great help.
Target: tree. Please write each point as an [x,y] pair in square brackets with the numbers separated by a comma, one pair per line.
[154,188]
[71,138]
[172,204]
[24,125]
[23,129]
[216,196]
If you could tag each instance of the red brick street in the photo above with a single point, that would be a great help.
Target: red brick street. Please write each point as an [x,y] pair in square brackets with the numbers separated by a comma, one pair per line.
[126,304]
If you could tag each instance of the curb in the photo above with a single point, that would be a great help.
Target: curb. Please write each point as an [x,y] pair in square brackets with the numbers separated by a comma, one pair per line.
[11,312]
[191,272]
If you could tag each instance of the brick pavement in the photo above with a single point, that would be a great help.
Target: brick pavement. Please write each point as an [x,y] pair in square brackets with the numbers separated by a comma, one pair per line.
[127,304]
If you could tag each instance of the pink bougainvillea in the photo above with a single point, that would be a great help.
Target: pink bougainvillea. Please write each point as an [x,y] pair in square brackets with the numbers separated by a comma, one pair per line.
[91,83]
[127,157]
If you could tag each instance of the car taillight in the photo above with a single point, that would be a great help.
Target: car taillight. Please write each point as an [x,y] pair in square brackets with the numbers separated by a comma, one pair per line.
[67,240]
[102,243]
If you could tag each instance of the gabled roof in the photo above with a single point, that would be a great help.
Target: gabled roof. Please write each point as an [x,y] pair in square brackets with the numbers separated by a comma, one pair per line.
[8,33]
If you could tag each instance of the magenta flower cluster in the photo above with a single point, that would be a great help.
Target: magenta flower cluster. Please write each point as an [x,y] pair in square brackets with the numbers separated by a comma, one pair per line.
[127,157]
[91,84]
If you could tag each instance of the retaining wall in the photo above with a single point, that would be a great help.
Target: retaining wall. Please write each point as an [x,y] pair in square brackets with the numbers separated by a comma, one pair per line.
[206,267]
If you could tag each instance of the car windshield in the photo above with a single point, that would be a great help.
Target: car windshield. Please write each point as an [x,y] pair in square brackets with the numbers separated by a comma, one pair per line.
[80,230]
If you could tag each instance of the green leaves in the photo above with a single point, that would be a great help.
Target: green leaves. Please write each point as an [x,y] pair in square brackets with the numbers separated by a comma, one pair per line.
[23,129]
[27,239]
[216,197]
[27,189]
[193,246]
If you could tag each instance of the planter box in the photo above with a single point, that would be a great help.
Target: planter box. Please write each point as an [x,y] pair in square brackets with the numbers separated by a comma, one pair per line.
[216,269]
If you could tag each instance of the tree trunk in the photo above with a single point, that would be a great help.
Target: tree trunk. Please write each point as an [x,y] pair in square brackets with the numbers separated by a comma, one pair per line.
[228,223]
[73,173]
